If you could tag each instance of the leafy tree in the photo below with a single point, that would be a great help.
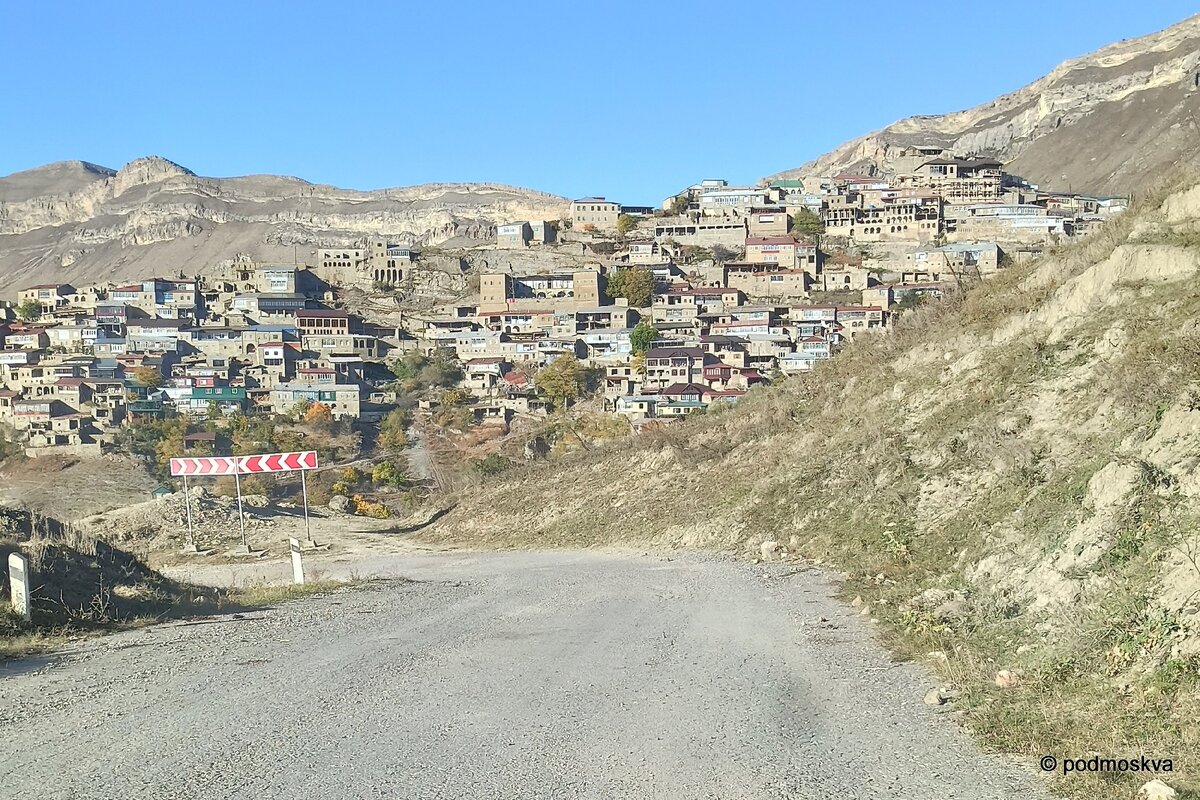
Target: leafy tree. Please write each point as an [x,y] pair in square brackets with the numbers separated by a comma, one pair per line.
[455,397]
[416,371]
[642,335]
[807,223]
[393,429]
[563,380]
[149,377]
[636,285]
[319,415]
[679,206]
[388,473]
[170,445]
[626,223]
[29,310]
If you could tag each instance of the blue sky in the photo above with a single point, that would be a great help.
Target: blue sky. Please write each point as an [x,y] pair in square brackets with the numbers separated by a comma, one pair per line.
[623,99]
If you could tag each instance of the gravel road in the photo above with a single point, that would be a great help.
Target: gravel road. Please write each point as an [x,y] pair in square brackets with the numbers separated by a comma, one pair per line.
[510,675]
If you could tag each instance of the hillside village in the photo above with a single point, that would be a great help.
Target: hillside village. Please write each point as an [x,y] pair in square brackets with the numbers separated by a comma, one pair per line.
[648,314]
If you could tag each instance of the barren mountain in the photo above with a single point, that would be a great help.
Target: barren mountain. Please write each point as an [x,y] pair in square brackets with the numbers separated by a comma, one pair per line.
[75,221]
[1102,123]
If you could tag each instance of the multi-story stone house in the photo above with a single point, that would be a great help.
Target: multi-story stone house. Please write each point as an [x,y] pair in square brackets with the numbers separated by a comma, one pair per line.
[766,279]
[597,212]
[767,222]
[501,291]
[49,296]
[668,365]
[783,251]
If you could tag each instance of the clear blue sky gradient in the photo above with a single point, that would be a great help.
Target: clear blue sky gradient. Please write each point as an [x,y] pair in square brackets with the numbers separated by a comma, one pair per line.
[623,99]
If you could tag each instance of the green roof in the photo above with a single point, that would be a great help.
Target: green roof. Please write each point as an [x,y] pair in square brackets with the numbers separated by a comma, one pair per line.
[788,184]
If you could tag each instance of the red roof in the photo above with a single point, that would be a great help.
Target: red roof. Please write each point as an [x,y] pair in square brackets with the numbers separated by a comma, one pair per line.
[516,377]
[70,382]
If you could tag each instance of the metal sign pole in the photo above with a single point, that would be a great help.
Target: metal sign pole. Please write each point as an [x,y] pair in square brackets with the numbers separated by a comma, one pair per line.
[304,489]
[237,482]
[187,504]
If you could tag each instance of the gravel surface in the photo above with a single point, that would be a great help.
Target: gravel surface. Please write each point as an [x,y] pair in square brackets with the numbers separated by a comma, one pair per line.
[510,675]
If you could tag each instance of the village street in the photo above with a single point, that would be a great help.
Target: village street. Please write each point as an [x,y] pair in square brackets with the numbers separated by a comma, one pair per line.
[500,675]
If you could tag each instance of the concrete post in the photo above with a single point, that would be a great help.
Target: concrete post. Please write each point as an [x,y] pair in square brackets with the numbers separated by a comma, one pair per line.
[297,562]
[18,579]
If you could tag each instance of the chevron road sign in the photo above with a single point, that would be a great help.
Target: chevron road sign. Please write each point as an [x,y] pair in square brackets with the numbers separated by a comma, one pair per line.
[244,465]
[217,465]
[277,462]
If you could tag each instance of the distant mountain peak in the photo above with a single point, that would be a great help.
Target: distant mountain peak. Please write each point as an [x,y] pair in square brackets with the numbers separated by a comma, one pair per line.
[1106,122]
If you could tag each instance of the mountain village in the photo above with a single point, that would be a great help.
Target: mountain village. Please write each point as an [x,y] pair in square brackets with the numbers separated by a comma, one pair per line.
[648,314]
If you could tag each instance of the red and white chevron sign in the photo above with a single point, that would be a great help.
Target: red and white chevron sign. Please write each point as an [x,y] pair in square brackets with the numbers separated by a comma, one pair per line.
[277,462]
[244,465]
[213,465]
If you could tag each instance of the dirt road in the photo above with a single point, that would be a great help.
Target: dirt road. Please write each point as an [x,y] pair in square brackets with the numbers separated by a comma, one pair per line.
[512,675]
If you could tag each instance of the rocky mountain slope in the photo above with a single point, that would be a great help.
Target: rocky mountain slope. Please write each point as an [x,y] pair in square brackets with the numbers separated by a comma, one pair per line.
[1102,123]
[75,221]
[1008,479]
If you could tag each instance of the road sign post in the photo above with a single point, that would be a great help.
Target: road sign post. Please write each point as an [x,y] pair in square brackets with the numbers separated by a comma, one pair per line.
[237,482]
[308,540]
[189,546]
[18,582]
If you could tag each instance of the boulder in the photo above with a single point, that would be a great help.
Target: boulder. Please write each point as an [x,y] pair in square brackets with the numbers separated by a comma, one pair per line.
[340,503]
[769,550]
[1155,790]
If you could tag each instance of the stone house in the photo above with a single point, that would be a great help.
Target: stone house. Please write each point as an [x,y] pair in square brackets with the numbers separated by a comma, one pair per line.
[598,212]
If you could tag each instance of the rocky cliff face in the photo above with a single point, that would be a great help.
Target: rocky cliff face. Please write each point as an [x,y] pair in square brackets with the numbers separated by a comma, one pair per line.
[74,221]
[1101,123]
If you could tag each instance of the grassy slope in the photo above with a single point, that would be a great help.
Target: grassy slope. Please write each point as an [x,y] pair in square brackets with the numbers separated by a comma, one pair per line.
[82,585]
[1026,449]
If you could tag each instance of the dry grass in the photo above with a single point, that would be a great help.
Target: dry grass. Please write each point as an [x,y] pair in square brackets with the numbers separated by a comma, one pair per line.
[921,455]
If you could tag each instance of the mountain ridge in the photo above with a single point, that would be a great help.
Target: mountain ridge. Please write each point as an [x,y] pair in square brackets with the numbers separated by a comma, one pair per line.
[76,221]
[1105,122]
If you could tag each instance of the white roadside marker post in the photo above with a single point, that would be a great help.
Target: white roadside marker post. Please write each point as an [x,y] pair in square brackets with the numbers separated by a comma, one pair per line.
[18,580]
[297,562]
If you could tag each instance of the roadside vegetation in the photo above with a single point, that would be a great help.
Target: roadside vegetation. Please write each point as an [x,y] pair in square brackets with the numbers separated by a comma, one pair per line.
[1006,482]
[83,586]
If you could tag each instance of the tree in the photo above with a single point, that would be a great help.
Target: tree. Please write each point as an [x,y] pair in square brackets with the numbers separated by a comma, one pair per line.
[319,415]
[171,444]
[29,310]
[642,336]
[680,205]
[807,223]
[563,380]
[636,285]
[388,473]
[149,377]
[626,223]
[393,428]
[415,371]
